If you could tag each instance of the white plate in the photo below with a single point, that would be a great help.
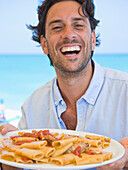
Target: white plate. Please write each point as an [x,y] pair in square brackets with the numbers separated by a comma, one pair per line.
[115,147]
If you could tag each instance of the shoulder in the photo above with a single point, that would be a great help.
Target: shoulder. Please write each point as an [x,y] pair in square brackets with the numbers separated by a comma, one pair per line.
[115,75]
[46,88]
[40,95]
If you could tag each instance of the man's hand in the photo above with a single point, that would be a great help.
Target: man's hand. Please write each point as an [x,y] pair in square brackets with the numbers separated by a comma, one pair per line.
[3,130]
[7,128]
[121,163]
[7,167]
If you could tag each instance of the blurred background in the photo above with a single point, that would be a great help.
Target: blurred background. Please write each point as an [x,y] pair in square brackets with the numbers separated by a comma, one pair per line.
[24,67]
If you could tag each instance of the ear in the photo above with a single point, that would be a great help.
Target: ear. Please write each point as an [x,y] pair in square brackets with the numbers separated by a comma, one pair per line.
[93,40]
[44,44]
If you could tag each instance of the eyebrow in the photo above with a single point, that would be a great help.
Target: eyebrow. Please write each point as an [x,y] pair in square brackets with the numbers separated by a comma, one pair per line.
[79,19]
[59,20]
[54,22]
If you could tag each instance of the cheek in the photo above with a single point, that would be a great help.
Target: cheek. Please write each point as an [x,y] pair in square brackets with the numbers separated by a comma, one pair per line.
[53,43]
[51,47]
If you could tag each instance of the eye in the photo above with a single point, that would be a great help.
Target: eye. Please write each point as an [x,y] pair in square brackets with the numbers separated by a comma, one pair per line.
[57,28]
[79,26]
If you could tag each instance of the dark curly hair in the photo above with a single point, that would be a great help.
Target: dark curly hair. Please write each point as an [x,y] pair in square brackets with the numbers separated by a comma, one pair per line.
[87,9]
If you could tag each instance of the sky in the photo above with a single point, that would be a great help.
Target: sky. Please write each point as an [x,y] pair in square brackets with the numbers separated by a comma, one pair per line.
[15,38]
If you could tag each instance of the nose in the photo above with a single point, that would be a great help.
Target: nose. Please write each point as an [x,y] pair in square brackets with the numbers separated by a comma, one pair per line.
[68,32]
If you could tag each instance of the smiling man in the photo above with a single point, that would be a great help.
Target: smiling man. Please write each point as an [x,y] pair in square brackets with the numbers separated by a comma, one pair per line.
[84,96]
[69,42]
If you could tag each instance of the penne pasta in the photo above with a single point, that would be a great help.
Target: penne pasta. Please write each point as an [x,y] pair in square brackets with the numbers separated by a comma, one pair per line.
[34,145]
[43,160]
[60,143]
[23,139]
[92,137]
[60,151]
[30,153]
[23,159]
[88,160]
[95,143]
[85,155]
[95,149]
[63,159]
[48,151]
[105,144]
[105,139]
[9,156]
[102,138]
[107,156]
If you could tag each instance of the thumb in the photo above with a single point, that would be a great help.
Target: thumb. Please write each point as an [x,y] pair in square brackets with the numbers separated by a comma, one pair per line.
[7,128]
[124,142]
[4,130]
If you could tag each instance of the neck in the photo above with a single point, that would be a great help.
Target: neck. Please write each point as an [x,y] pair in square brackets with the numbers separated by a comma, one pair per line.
[73,87]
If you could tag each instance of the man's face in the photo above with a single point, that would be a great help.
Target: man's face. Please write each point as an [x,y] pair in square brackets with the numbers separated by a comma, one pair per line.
[68,40]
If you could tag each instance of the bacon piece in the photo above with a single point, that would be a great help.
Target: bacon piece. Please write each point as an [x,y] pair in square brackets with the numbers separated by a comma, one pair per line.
[25,159]
[77,151]
[29,135]
[12,137]
[90,152]
[46,132]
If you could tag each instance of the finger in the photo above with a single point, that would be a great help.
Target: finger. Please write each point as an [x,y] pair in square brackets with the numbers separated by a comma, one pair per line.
[11,128]
[7,167]
[1,127]
[104,167]
[114,164]
[4,130]
[7,128]
[117,164]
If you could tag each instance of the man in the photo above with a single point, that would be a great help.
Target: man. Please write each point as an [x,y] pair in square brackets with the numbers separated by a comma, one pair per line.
[84,96]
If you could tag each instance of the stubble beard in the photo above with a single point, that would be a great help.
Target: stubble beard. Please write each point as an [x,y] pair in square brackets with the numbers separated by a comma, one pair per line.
[68,72]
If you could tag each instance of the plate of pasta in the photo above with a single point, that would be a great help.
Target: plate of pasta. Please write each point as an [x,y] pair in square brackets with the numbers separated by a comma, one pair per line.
[58,149]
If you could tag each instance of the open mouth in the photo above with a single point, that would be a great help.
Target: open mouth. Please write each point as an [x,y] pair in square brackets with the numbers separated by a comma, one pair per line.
[70,51]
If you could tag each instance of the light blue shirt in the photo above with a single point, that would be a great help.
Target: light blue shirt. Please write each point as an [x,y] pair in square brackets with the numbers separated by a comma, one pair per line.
[103,109]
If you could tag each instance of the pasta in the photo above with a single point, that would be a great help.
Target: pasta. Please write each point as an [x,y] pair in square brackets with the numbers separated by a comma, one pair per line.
[9,156]
[62,150]
[88,160]
[40,147]
[43,160]
[48,151]
[63,159]
[34,145]
[63,142]
[30,153]
[23,159]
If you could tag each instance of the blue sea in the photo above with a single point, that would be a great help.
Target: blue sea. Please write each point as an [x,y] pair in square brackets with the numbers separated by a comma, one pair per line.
[20,75]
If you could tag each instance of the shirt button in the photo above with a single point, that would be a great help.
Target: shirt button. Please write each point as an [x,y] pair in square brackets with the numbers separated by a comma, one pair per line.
[62,102]
[56,103]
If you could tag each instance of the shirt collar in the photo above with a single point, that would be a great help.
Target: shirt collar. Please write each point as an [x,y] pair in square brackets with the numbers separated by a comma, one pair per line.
[96,84]
[93,90]
[57,94]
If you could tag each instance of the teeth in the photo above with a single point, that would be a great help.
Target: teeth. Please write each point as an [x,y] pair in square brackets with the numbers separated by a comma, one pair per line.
[73,48]
[70,54]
